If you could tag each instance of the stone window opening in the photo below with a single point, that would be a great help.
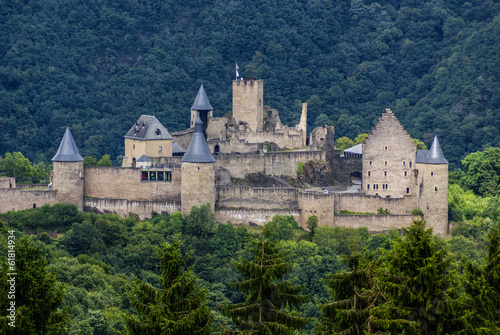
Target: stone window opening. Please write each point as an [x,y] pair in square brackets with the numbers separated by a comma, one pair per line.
[385,162]
[370,162]
[406,173]
[385,173]
[367,186]
[133,146]
[369,173]
[407,190]
[410,163]
[432,173]
[385,148]
[404,162]
[435,189]
[160,148]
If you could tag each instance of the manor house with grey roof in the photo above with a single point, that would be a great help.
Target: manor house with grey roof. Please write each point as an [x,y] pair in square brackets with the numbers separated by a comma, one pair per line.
[243,166]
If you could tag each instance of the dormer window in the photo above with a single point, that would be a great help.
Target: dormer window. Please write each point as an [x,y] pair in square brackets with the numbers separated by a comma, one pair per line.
[158,132]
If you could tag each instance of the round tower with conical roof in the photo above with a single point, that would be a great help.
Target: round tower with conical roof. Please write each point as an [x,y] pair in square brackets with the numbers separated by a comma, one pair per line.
[432,187]
[68,172]
[198,172]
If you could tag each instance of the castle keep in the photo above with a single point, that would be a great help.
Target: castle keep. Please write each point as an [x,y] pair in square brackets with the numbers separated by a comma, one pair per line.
[168,172]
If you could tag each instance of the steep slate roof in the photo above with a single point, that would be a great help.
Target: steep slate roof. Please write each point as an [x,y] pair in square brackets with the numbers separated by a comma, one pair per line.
[148,127]
[177,149]
[67,152]
[201,102]
[198,151]
[432,156]
[144,158]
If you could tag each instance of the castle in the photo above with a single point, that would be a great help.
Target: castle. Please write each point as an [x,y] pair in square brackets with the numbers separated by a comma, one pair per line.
[168,172]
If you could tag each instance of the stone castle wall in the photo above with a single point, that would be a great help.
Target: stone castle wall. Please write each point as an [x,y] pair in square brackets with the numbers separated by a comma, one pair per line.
[12,199]
[241,165]
[285,163]
[362,203]
[234,145]
[271,163]
[374,223]
[319,204]
[7,182]
[122,207]
[253,216]
[292,139]
[257,198]
[125,183]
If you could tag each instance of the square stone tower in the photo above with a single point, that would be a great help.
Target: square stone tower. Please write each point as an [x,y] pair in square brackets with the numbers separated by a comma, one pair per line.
[248,103]
[389,160]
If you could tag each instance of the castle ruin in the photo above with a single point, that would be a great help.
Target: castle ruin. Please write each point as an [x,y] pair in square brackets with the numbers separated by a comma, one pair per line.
[168,172]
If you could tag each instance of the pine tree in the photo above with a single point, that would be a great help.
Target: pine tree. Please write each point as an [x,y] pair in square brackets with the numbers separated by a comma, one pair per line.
[355,294]
[482,285]
[418,285]
[36,294]
[269,298]
[179,307]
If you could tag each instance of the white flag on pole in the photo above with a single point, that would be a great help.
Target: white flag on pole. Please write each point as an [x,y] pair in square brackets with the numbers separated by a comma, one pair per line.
[237,73]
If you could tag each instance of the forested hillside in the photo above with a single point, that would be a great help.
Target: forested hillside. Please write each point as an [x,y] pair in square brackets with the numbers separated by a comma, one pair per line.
[96,66]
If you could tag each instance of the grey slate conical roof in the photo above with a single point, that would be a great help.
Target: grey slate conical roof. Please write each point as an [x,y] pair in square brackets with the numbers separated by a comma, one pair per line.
[67,152]
[198,151]
[432,156]
[201,102]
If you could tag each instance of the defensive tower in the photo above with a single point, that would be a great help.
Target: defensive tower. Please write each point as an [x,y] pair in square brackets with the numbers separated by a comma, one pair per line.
[248,103]
[432,187]
[198,173]
[68,172]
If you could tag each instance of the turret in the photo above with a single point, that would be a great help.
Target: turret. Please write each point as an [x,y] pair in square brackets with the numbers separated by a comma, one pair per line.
[198,173]
[68,172]
[432,187]
[201,109]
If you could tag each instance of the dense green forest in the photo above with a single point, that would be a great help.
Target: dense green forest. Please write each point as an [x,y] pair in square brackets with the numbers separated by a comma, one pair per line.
[96,66]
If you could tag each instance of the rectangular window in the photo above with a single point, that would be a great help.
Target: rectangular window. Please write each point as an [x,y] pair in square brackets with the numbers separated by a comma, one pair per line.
[407,190]
[168,176]
[160,176]
[370,162]
[406,173]
[160,148]
[404,162]
[410,164]
[432,173]
[152,175]
[369,173]
[367,186]
[385,148]
[385,162]
[385,173]
[435,189]
[144,175]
